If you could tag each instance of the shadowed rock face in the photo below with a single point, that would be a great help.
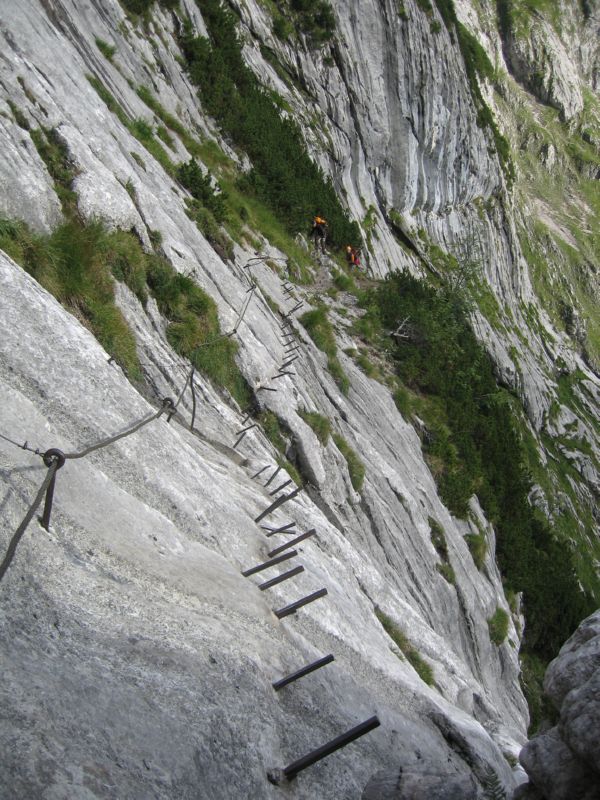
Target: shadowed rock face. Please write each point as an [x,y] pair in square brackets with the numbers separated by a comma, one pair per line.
[421,784]
[564,763]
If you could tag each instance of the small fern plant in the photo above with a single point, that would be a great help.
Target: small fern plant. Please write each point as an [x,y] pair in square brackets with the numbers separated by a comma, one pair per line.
[492,787]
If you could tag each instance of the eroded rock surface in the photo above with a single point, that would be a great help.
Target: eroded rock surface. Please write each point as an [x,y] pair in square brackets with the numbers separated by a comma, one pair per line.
[564,763]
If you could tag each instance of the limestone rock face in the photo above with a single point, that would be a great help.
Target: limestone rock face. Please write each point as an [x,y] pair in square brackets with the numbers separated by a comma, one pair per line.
[539,60]
[415,784]
[139,661]
[564,763]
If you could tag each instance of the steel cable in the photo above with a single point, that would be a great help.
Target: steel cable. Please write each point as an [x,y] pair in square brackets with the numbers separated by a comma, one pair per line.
[24,446]
[167,404]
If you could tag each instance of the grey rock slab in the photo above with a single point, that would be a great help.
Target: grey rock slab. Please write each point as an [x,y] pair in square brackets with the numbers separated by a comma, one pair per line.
[147,538]
[556,772]
[405,784]
[578,660]
[155,549]
[580,721]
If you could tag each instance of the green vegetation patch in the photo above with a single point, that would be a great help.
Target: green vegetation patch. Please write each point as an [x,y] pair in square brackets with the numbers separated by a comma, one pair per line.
[276,432]
[356,468]
[54,154]
[107,50]
[282,175]
[321,332]
[474,445]
[142,8]
[314,19]
[320,424]
[438,539]
[533,670]
[498,626]
[412,655]
[194,330]
[477,544]
[71,263]
[200,186]
[344,282]
[243,212]
[140,128]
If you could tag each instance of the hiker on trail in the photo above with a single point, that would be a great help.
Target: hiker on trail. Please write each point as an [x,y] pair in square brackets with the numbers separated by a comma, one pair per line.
[319,232]
[353,256]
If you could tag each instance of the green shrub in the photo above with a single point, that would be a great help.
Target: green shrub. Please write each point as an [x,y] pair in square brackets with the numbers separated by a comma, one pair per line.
[403,401]
[447,572]
[56,157]
[338,374]
[344,282]
[272,429]
[139,128]
[282,28]
[206,222]
[498,625]
[421,667]
[143,7]
[164,135]
[127,261]
[107,50]
[473,446]
[320,424]
[71,265]
[533,670]
[438,539]
[283,175]
[477,544]
[321,332]
[367,366]
[194,330]
[200,187]
[356,468]
[291,470]
[368,327]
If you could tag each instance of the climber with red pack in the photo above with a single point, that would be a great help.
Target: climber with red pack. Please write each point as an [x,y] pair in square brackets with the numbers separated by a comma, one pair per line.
[353,256]
[319,232]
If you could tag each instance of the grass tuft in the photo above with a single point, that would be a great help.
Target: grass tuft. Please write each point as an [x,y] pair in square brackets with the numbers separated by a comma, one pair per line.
[355,466]
[412,655]
[498,625]
[320,424]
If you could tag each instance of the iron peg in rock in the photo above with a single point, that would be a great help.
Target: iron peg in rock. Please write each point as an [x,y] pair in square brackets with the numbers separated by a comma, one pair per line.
[281,578]
[294,676]
[279,502]
[270,563]
[288,773]
[304,601]
[292,542]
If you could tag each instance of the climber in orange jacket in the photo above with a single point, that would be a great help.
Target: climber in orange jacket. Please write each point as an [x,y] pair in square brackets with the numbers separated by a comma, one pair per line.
[319,232]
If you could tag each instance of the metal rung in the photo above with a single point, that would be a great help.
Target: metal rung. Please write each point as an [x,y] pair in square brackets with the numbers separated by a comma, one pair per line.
[270,563]
[292,542]
[279,502]
[293,607]
[277,470]
[278,530]
[290,772]
[321,662]
[280,578]
[279,488]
